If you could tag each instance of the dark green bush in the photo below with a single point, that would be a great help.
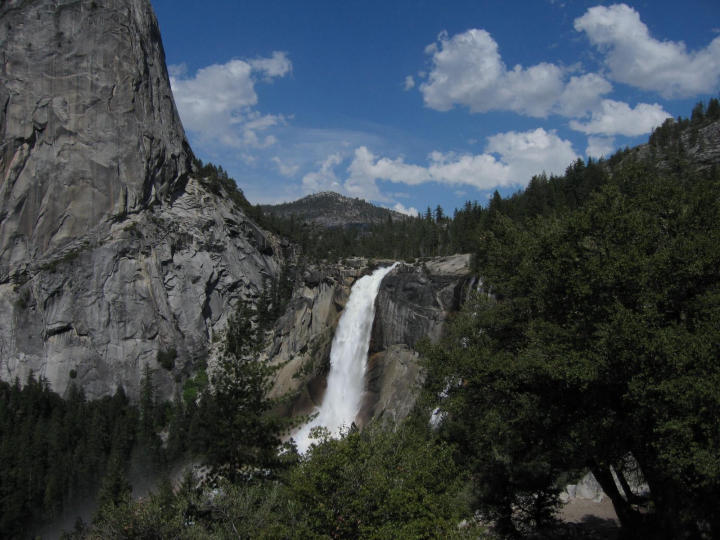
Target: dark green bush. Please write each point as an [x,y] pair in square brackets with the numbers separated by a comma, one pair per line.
[166,358]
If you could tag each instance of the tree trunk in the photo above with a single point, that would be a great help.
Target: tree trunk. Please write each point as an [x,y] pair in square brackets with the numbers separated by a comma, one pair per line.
[629,518]
[629,495]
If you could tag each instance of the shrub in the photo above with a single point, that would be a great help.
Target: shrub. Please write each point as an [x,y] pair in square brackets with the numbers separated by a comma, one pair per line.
[166,358]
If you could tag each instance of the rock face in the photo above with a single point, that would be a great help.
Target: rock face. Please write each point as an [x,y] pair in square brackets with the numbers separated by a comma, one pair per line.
[111,249]
[415,300]
[393,379]
[88,126]
[413,303]
[303,336]
[162,280]
[700,147]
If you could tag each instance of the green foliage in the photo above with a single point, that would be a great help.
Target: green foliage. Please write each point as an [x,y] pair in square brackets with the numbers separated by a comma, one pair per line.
[151,419]
[56,451]
[276,294]
[166,358]
[599,342]
[244,510]
[241,433]
[378,484]
[406,238]
[712,113]
[371,484]
[115,489]
[216,179]
[193,386]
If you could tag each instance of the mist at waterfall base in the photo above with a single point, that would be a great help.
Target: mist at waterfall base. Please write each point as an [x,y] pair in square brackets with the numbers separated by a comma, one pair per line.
[348,361]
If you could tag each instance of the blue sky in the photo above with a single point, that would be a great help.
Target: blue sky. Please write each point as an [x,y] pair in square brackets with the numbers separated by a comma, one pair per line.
[416,103]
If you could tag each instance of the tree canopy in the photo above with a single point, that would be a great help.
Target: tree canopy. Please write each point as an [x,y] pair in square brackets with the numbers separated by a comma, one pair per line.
[596,341]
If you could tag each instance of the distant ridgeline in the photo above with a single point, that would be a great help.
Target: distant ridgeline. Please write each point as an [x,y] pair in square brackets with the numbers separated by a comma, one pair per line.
[330,226]
[323,223]
[329,209]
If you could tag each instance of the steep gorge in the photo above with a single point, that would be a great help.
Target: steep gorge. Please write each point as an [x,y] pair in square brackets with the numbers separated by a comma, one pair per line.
[414,301]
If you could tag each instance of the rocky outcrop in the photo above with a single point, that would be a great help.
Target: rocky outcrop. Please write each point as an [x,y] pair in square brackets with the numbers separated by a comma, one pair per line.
[329,209]
[159,282]
[696,145]
[414,302]
[302,337]
[393,379]
[113,253]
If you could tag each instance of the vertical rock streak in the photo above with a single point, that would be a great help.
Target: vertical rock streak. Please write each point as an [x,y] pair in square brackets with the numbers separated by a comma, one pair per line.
[348,360]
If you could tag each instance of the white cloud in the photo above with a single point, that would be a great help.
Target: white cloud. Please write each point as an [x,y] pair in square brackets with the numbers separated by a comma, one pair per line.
[278,65]
[409,82]
[412,211]
[284,168]
[528,153]
[510,159]
[467,70]
[218,102]
[177,70]
[366,166]
[600,147]
[617,118]
[635,58]
[324,179]
[582,94]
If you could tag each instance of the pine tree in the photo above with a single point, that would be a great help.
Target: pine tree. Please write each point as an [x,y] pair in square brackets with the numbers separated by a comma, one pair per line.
[240,431]
[698,114]
[115,489]
[147,405]
[713,110]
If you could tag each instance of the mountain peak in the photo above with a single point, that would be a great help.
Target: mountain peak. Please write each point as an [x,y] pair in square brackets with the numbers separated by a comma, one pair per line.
[331,209]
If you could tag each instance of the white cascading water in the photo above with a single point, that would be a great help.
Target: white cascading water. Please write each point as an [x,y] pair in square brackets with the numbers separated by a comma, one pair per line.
[348,360]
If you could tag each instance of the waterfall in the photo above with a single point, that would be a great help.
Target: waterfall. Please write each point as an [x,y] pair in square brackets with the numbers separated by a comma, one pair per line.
[348,360]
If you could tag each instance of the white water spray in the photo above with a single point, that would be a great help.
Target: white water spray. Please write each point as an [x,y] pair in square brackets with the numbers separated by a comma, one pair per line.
[348,360]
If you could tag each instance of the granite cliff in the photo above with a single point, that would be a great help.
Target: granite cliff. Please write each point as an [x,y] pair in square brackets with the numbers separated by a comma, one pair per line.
[89,128]
[414,302]
[112,249]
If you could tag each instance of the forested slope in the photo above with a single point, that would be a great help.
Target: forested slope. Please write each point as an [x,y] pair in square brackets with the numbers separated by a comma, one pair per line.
[594,343]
